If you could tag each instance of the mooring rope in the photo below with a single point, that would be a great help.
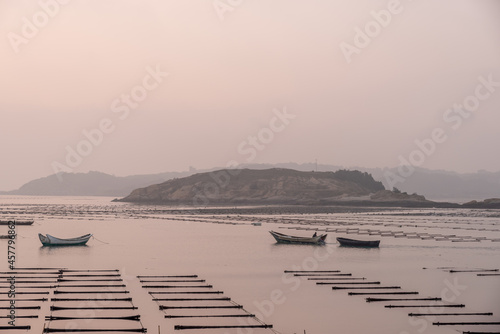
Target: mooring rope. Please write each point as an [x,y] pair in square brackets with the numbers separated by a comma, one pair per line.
[93,237]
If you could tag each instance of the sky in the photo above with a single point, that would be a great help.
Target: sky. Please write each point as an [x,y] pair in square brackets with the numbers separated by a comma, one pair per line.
[136,87]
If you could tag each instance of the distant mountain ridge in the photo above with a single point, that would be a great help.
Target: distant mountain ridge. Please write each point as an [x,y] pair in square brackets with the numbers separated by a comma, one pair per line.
[89,184]
[433,184]
[259,186]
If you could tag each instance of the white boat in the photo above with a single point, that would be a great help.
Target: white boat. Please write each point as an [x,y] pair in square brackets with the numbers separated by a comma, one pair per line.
[290,239]
[49,240]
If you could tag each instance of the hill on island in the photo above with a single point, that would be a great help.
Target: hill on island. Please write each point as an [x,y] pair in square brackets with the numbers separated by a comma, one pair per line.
[268,186]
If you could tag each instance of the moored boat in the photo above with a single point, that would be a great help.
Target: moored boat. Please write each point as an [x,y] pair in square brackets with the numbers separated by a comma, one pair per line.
[49,240]
[290,239]
[17,222]
[358,243]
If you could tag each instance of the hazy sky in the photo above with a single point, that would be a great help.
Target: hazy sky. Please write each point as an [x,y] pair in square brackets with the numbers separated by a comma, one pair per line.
[352,83]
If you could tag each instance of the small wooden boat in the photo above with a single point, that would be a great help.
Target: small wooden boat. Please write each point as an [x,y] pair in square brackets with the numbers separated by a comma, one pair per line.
[358,243]
[49,240]
[290,239]
[17,222]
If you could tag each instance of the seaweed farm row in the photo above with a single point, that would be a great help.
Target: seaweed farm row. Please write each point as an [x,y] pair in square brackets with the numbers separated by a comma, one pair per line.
[96,301]
[80,301]
[192,304]
[435,310]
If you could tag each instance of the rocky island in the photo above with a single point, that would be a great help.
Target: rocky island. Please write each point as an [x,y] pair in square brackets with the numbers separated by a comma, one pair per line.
[276,186]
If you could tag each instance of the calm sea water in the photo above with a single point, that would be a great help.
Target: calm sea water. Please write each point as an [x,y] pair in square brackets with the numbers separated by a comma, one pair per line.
[245,263]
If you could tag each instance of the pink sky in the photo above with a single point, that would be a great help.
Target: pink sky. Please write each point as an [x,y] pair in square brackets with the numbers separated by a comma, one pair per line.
[228,77]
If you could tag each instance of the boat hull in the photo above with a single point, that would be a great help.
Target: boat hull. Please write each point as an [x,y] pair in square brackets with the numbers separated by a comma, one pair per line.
[49,240]
[17,222]
[290,239]
[358,243]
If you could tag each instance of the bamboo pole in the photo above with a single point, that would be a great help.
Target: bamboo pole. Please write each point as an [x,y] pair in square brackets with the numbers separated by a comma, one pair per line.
[91,280]
[162,307]
[331,283]
[93,286]
[364,287]
[30,277]
[369,300]
[25,300]
[309,275]
[21,308]
[473,271]
[163,276]
[83,292]
[6,328]
[60,308]
[31,287]
[29,282]
[84,330]
[427,306]
[89,270]
[212,316]
[184,292]
[181,327]
[312,271]
[84,275]
[174,281]
[334,278]
[26,273]
[445,314]
[383,293]
[176,286]
[465,323]
[27,293]
[131,318]
[90,299]
[58,269]
[190,299]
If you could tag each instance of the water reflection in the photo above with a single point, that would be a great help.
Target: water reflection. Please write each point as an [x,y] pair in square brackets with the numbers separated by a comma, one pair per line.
[56,250]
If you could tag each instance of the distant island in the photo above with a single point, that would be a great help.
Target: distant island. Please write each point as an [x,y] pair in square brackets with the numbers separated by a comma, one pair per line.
[436,185]
[275,186]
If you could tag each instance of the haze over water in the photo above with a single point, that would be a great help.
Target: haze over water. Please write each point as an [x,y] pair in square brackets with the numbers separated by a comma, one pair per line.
[156,86]
[245,262]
